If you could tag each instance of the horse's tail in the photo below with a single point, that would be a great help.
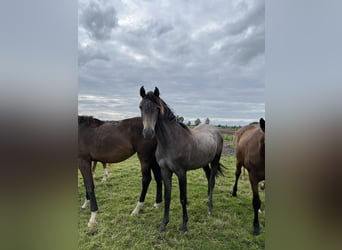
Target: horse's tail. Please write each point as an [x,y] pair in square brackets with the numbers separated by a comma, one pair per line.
[220,170]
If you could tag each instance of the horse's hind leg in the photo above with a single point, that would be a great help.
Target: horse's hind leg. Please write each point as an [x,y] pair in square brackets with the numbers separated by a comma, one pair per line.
[93,167]
[262,185]
[105,172]
[207,174]
[256,205]
[85,168]
[237,176]
[157,177]
[211,184]
[146,179]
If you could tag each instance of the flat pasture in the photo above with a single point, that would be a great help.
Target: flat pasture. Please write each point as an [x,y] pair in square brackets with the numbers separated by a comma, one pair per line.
[229,226]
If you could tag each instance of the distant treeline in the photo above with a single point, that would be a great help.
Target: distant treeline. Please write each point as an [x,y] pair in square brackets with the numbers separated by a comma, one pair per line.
[198,122]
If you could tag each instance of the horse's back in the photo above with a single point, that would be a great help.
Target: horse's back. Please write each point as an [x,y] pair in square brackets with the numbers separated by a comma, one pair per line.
[208,134]
[207,129]
[208,143]
[111,141]
[250,149]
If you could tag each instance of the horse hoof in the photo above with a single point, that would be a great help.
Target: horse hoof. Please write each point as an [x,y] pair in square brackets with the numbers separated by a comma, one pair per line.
[256,231]
[85,204]
[233,194]
[135,212]
[91,224]
[162,228]
[183,229]
[156,205]
[137,208]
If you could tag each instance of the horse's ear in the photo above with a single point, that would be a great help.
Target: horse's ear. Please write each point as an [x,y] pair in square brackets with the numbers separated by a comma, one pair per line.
[156,92]
[142,92]
[262,124]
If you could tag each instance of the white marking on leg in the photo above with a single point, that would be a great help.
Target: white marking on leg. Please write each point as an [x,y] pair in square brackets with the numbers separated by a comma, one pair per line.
[92,219]
[85,204]
[156,205]
[105,175]
[137,208]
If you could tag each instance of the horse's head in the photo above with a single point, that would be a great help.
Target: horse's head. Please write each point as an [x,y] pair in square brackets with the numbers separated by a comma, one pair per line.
[150,107]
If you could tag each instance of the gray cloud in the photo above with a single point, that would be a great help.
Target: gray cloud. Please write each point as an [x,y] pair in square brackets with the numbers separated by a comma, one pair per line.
[152,28]
[98,21]
[254,16]
[247,48]
[88,54]
[206,58]
[244,38]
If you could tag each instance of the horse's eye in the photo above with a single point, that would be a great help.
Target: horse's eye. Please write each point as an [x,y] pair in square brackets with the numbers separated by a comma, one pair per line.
[140,106]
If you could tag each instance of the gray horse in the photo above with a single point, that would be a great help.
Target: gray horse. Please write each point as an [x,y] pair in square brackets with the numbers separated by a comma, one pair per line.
[180,149]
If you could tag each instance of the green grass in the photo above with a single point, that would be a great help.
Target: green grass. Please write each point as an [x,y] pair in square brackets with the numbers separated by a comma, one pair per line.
[229,226]
[227,137]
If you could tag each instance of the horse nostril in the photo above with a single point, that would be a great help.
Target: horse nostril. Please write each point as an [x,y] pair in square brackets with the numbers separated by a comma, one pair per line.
[148,133]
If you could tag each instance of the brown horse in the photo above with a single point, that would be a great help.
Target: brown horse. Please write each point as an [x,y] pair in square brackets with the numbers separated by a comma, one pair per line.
[111,142]
[250,153]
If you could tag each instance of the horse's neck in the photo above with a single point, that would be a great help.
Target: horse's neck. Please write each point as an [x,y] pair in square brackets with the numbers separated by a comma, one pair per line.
[167,132]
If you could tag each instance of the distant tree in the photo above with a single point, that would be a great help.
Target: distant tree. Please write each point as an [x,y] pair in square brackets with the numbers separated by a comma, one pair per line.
[197,122]
[207,121]
[189,123]
[180,118]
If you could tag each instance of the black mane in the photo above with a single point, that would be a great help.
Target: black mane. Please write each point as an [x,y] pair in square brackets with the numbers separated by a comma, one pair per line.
[89,121]
[183,125]
[167,112]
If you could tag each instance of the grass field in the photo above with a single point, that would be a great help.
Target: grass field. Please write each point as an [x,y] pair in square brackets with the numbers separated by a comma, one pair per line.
[229,226]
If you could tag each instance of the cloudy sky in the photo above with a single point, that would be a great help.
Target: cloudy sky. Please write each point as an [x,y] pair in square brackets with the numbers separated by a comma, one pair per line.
[206,57]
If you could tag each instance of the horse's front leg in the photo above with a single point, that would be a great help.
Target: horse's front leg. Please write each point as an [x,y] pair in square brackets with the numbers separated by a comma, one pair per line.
[167,178]
[183,200]
[146,179]
[86,171]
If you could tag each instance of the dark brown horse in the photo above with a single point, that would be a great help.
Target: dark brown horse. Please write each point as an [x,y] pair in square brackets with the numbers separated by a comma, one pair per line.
[180,149]
[250,153]
[111,142]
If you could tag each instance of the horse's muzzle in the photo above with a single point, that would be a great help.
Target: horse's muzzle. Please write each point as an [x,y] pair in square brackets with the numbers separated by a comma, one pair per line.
[148,133]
